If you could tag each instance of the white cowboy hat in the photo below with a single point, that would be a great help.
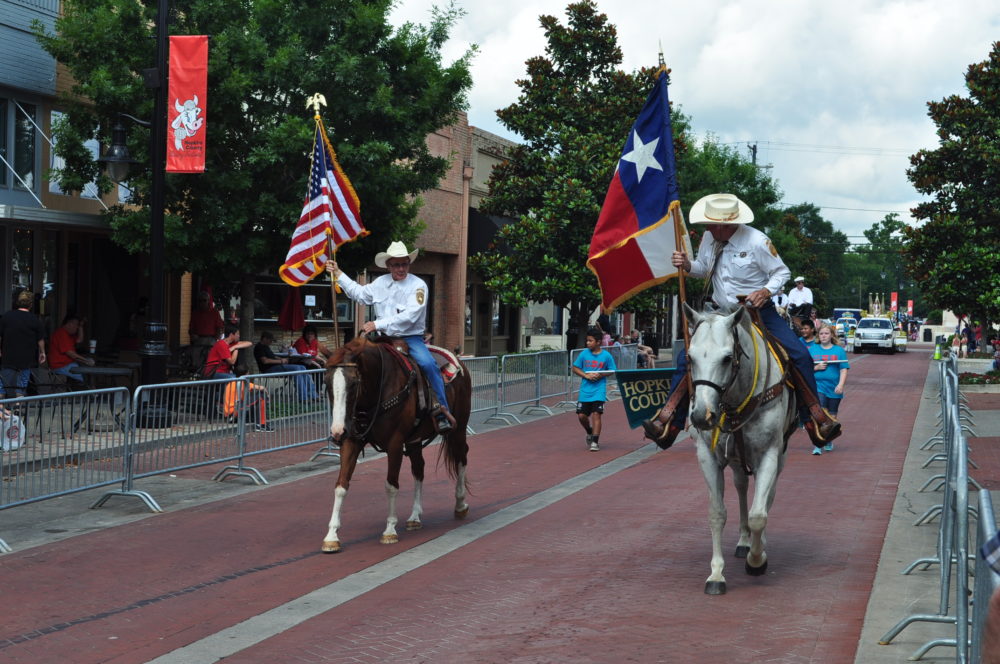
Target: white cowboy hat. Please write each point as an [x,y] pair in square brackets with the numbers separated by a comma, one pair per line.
[395,250]
[720,209]
[798,279]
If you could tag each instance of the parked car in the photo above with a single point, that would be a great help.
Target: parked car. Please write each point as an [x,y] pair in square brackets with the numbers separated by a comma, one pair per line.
[874,334]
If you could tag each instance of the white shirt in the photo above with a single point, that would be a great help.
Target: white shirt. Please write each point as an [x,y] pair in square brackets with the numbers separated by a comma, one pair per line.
[780,300]
[799,296]
[400,306]
[748,263]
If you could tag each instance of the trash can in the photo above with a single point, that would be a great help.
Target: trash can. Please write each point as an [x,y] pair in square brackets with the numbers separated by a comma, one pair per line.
[653,341]
[928,334]
[571,335]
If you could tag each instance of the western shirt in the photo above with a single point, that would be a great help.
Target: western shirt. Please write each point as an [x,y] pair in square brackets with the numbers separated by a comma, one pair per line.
[747,263]
[799,296]
[400,306]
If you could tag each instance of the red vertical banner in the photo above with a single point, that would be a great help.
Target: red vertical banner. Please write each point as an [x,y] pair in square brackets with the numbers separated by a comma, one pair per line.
[187,94]
[909,307]
[895,301]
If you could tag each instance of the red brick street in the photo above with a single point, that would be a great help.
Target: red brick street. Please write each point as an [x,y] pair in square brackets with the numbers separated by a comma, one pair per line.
[612,571]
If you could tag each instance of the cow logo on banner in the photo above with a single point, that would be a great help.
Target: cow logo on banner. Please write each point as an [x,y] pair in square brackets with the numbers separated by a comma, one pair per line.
[186,123]
[187,93]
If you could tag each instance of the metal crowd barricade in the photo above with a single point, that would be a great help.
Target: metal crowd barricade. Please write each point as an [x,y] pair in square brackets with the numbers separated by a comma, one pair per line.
[485,374]
[953,532]
[987,581]
[61,444]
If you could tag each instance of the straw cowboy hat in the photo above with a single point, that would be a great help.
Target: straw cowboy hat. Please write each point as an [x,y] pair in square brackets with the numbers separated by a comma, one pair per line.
[720,209]
[395,250]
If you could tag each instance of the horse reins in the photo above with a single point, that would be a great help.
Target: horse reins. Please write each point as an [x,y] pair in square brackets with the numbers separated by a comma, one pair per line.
[382,405]
[753,400]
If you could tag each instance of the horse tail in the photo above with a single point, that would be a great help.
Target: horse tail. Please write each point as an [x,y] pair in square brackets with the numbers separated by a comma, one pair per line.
[454,450]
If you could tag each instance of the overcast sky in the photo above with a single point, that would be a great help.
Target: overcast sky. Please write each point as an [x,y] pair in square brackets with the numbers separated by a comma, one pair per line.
[833,93]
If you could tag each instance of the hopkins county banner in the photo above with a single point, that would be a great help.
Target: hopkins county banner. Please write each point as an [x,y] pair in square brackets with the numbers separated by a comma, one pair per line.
[186,98]
[643,392]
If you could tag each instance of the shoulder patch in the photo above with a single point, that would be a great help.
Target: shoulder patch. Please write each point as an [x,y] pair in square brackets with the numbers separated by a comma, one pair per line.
[420,296]
[770,247]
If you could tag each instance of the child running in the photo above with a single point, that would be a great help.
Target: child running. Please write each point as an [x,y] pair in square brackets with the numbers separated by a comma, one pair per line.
[830,365]
[593,385]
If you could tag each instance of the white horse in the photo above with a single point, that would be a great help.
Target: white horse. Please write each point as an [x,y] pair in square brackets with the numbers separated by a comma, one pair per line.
[743,415]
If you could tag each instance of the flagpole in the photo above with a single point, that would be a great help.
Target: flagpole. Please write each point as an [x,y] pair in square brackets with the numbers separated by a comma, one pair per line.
[679,246]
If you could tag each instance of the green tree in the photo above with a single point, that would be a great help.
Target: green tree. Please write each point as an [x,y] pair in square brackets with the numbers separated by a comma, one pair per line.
[574,111]
[953,255]
[387,89]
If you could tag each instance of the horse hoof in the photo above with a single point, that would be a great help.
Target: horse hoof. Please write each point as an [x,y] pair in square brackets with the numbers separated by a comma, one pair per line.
[715,587]
[742,551]
[331,546]
[756,571]
[414,525]
[388,539]
[462,513]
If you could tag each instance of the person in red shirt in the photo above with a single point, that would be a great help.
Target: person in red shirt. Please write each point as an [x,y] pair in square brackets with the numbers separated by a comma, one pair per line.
[309,344]
[62,349]
[206,323]
[222,357]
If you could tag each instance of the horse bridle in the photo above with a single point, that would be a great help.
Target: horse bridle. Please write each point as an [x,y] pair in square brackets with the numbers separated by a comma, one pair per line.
[381,405]
[723,389]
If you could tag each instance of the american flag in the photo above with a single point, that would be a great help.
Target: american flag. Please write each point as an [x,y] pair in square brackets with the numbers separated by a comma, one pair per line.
[331,211]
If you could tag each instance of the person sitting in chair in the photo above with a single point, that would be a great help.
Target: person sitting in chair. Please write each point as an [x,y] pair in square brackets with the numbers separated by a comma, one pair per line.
[740,261]
[400,300]
[268,362]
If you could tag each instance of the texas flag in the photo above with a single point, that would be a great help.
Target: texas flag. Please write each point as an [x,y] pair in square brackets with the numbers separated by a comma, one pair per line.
[635,234]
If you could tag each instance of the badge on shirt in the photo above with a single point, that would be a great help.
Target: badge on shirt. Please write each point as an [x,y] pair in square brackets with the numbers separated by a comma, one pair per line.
[420,296]
[770,247]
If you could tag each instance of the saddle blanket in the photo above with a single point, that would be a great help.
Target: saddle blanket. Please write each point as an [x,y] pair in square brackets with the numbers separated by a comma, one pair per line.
[446,361]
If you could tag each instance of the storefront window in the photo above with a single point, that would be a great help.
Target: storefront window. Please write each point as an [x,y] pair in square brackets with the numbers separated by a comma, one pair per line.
[24,146]
[21,259]
[468,310]
[315,298]
[3,140]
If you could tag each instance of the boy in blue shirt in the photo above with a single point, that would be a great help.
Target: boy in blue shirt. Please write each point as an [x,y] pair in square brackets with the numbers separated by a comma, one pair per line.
[593,386]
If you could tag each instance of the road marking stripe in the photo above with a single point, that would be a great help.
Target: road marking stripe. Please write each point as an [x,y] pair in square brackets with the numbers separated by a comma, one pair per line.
[291,614]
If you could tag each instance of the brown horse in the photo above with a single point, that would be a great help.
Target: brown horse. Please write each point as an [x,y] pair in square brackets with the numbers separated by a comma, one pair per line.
[375,390]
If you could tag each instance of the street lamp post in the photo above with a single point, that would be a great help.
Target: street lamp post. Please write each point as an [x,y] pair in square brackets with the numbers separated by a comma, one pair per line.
[153,352]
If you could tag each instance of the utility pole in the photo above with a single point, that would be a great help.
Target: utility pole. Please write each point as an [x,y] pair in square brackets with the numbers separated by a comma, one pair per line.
[753,152]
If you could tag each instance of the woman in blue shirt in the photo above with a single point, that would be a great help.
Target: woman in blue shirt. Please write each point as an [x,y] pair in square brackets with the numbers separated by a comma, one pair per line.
[830,367]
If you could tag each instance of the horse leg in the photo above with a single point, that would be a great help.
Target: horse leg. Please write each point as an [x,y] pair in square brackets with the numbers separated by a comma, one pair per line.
[349,451]
[763,496]
[395,460]
[742,484]
[417,468]
[461,507]
[710,468]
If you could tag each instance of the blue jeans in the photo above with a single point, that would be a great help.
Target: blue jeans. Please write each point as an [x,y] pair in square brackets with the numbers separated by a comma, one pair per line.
[15,381]
[66,371]
[304,383]
[777,326]
[832,404]
[422,356]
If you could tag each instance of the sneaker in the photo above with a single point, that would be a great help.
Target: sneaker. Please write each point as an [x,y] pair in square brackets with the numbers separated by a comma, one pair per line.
[594,447]
[817,451]
[828,447]
[263,428]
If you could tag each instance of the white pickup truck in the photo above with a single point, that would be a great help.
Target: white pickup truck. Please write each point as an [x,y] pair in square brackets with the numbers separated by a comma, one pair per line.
[876,334]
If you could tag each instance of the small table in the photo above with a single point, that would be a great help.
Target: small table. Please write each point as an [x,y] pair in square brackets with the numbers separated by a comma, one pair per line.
[295,358]
[93,377]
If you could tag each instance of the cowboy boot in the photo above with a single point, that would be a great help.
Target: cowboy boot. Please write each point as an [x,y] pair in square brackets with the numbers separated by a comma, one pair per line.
[444,421]
[656,428]
[822,427]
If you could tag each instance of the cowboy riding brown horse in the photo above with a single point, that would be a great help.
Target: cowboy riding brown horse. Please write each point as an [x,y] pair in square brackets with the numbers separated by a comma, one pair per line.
[379,398]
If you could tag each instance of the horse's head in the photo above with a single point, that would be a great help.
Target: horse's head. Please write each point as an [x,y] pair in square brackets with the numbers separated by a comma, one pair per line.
[355,376]
[343,381]
[713,361]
